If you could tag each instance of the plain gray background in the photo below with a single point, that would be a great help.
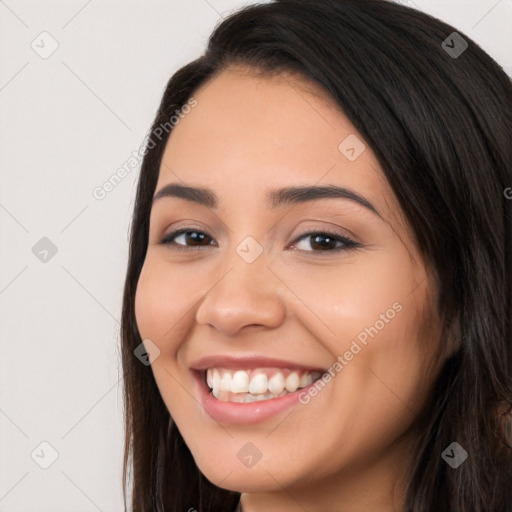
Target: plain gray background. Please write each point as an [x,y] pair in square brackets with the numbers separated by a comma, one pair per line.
[68,121]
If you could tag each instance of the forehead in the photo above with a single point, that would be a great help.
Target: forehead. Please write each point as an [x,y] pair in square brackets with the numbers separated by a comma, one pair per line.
[251,132]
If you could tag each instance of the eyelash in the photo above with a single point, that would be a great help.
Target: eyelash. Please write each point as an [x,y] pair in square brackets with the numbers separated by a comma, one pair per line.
[348,243]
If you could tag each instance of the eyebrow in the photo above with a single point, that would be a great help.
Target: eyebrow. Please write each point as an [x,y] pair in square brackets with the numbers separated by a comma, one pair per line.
[275,198]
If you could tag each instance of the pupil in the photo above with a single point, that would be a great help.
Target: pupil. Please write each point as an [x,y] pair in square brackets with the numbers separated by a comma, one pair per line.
[195,236]
[317,240]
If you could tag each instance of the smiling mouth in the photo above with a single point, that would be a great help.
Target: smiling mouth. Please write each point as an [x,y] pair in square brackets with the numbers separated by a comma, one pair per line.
[244,386]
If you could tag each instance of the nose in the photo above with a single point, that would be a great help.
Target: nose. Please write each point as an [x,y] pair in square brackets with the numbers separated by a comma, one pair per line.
[247,295]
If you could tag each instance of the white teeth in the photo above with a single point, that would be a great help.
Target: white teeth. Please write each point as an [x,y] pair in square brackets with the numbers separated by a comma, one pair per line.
[240,382]
[305,380]
[249,398]
[216,379]
[292,382]
[276,383]
[241,398]
[258,384]
[225,382]
[315,375]
[252,385]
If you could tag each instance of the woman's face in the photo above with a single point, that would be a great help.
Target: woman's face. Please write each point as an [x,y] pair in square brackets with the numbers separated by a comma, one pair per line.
[272,287]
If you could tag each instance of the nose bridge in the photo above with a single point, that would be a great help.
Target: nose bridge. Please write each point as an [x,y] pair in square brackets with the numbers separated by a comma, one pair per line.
[246,260]
[246,292]
[246,280]
[249,268]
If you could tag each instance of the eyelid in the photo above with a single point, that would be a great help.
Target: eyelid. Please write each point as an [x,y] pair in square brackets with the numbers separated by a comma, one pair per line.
[327,231]
[348,242]
[183,225]
[179,231]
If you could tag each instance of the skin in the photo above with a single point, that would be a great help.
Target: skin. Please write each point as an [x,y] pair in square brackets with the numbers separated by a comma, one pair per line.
[349,447]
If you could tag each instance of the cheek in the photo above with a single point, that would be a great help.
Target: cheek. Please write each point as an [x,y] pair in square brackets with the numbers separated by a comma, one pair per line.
[162,300]
[370,312]
[163,312]
[365,293]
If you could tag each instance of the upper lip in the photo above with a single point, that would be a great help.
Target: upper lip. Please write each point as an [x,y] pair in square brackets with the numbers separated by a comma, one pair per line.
[248,362]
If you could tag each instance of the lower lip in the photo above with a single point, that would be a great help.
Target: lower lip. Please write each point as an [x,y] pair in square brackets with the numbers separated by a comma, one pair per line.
[243,413]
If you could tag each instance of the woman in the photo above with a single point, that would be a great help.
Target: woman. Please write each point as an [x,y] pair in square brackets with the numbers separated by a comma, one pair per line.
[319,274]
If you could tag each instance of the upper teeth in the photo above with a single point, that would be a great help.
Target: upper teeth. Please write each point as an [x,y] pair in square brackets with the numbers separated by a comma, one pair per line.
[260,381]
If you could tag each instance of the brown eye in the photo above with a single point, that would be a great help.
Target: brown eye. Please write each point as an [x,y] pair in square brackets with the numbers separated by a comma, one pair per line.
[187,238]
[325,242]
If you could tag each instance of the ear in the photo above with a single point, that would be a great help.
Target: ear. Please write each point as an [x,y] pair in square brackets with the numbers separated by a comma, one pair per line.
[504,423]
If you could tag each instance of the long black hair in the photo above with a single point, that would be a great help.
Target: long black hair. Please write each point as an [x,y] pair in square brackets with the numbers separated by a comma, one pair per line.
[437,115]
